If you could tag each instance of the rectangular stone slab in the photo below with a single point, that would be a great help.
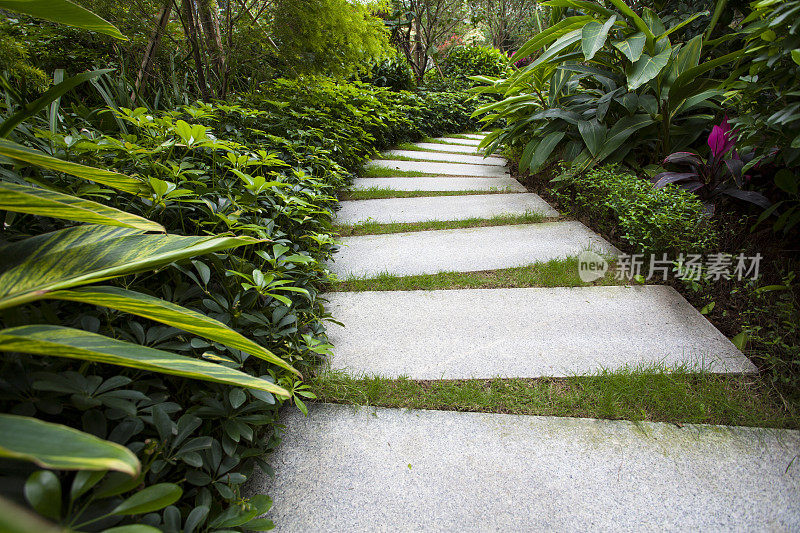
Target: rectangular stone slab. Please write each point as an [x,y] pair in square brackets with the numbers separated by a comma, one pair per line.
[354,469]
[479,136]
[447,157]
[443,183]
[442,208]
[463,250]
[455,148]
[523,332]
[457,140]
[441,169]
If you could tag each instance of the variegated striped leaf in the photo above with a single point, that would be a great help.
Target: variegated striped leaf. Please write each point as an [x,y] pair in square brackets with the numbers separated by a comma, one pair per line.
[87,254]
[171,314]
[72,343]
[47,203]
[61,447]
[114,180]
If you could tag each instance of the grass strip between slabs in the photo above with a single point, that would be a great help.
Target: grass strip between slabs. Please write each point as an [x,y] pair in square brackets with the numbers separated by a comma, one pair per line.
[553,273]
[381,172]
[648,394]
[379,193]
[376,228]
[392,157]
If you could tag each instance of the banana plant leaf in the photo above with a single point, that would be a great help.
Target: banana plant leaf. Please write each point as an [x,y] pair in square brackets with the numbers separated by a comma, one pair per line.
[168,313]
[115,180]
[80,255]
[47,203]
[58,341]
[61,447]
[64,12]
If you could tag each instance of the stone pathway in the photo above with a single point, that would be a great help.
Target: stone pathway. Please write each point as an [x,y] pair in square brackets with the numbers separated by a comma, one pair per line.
[348,468]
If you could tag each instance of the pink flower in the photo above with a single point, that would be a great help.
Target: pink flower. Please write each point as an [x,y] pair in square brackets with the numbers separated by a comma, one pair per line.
[722,139]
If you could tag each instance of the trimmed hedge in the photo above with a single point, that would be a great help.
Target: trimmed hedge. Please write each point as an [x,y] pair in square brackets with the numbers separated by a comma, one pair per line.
[666,220]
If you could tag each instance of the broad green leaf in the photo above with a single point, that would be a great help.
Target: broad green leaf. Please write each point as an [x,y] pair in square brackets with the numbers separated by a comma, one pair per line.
[636,19]
[680,89]
[687,57]
[63,12]
[593,134]
[620,132]
[168,313]
[682,24]
[47,203]
[61,447]
[583,5]
[544,149]
[647,68]
[796,56]
[549,35]
[87,254]
[54,93]
[149,499]
[632,47]
[106,177]
[594,35]
[43,493]
[16,519]
[57,341]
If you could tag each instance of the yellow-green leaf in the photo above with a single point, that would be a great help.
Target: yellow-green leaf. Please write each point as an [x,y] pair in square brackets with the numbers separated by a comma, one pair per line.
[47,203]
[168,313]
[87,254]
[61,447]
[64,12]
[57,341]
[115,180]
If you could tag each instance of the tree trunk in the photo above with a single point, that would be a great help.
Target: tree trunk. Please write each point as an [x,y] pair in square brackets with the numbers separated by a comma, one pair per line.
[209,18]
[190,28]
[152,46]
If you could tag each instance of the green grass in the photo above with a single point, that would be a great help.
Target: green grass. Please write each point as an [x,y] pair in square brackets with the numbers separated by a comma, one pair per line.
[553,273]
[647,394]
[376,193]
[380,172]
[375,228]
[413,147]
[439,141]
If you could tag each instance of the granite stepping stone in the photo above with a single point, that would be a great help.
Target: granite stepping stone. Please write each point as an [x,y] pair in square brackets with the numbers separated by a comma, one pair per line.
[453,148]
[479,136]
[442,183]
[441,169]
[458,140]
[353,469]
[463,250]
[524,333]
[442,208]
[447,157]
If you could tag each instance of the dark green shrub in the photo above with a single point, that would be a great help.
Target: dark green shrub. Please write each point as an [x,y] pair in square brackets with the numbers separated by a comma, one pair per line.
[393,73]
[467,61]
[651,220]
[267,166]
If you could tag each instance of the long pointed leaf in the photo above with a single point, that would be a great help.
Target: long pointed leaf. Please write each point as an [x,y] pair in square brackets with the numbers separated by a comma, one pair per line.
[61,447]
[168,313]
[593,134]
[583,5]
[63,12]
[632,47]
[72,343]
[647,68]
[54,93]
[636,19]
[549,35]
[88,254]
[106,177]
[594,35]
[544,149]
[621,131]
[43,202]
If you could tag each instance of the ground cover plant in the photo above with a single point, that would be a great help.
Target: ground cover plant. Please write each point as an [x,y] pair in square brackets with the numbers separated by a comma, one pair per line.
[696,110]
[185,246]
